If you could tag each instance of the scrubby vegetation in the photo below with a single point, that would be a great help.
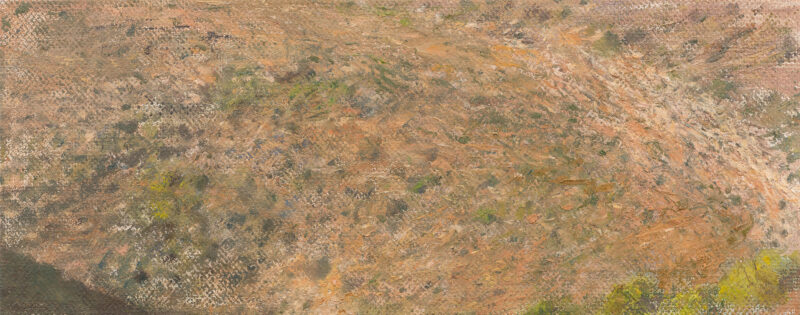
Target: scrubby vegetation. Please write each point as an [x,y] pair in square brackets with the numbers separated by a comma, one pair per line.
[239,89]
[608,45]
[415,157]
[486,215]
[562,306]
[639,296]
[762,281]
[758,283]
[700,300]
[420,185]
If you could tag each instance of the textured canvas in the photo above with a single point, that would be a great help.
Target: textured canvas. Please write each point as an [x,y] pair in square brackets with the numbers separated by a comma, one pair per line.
[399,157]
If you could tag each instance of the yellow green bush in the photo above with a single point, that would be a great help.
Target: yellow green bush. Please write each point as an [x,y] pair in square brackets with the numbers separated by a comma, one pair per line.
[170,194]
[760,281]
[702,300]
[641,295]
[562,306]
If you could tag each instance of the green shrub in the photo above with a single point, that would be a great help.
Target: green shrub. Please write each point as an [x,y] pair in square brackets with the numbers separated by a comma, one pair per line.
[171,194]
[641,295]
[701,300]
[541,308]
[561,306]
[760,281]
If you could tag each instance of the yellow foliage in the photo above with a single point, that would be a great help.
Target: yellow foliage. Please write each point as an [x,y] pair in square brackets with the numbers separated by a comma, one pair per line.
[163,183]
[689,302]
[758,281]
[161,208]
[639,296]
[149,130]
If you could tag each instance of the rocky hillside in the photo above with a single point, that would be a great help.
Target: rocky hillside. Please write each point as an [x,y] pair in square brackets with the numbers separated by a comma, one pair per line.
[396,156]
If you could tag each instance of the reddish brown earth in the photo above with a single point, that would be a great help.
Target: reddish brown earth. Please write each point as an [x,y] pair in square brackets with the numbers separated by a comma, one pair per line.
[405,157]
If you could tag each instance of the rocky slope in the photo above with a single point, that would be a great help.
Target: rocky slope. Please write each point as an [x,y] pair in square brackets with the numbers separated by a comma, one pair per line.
[409,156]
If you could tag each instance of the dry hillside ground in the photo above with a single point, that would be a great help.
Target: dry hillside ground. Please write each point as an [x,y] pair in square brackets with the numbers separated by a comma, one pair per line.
[401,156]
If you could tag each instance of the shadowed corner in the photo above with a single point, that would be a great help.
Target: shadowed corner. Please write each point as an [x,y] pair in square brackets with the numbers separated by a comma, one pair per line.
[28,287]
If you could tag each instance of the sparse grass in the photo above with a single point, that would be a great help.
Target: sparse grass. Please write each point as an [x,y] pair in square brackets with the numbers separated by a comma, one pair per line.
[722,89]
[6,24]
[634,35]
[324,91]
[347,5]
[565,12]
[384,11]
[318,98]
[175,207]
[421,185]
[370,150]
[486,215]
[490,117]
[22,8]
[465,6]
[239,89]
[608,45]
